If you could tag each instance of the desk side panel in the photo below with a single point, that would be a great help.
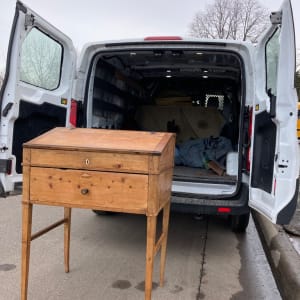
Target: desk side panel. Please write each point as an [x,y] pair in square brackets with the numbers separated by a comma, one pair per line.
[165,161]
[26,174]
[159,191]
[165,185]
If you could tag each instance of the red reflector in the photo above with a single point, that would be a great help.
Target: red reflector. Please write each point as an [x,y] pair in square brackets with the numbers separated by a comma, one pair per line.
[224,209]
[9,167]
[163,38]
[73,113]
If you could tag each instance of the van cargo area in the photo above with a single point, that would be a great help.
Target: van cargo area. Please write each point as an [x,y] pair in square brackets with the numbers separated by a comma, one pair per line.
[196,94]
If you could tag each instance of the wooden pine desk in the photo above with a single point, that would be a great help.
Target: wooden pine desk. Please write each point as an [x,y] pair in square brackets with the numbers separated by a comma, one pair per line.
[110,170]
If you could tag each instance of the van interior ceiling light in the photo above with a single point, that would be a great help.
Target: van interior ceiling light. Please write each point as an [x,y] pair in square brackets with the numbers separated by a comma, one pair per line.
[158,53]
[177,53]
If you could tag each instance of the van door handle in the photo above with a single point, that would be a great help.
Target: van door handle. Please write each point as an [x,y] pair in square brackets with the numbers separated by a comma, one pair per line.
[282,166]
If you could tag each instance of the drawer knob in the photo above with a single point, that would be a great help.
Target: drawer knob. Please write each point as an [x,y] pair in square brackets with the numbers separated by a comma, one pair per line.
[84,191]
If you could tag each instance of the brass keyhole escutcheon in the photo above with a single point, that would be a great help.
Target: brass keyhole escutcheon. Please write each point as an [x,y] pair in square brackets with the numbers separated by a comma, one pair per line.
[87,161]
[84,191]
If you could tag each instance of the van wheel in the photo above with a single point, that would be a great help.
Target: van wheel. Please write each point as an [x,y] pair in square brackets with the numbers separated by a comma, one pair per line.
[104,212]
[239,223]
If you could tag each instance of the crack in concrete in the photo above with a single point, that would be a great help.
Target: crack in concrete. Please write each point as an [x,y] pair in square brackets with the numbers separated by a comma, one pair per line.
[202,273]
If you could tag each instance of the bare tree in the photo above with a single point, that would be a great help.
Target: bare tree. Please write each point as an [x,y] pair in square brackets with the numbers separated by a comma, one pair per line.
[230,19]
[40,60]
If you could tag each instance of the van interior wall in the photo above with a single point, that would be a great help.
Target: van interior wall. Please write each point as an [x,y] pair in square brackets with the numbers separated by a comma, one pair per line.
[193,108]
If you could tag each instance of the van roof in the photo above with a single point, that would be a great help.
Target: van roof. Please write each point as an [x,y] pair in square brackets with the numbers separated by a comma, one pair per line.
[192,43]
[168,39]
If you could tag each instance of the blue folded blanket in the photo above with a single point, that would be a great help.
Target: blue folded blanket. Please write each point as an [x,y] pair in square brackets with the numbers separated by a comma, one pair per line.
[196,153]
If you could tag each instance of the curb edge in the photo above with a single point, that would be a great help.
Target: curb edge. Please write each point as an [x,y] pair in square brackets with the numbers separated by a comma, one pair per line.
[282,257]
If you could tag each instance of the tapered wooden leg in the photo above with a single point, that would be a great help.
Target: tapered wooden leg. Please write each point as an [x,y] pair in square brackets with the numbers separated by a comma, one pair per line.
[67,230]
[26,239]
[165,226]
[151,235]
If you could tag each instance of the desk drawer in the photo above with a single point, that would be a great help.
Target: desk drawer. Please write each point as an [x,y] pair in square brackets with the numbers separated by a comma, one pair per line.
[119,162]
[90,189]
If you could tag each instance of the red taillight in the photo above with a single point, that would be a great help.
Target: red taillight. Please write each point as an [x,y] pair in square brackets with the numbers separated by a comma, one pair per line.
[224,210]
[163,38]
[9,167]
[73,113]
[248,164]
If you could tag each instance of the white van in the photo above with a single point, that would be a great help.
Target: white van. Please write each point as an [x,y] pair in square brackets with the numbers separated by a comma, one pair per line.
[232,104]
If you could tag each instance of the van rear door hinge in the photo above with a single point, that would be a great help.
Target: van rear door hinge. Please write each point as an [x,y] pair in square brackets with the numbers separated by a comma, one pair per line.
[3,148]
[276,17]
[29,21]
[5,166]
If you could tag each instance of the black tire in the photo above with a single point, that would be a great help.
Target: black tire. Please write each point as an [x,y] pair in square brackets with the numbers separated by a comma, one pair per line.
[103,212]
[239,223]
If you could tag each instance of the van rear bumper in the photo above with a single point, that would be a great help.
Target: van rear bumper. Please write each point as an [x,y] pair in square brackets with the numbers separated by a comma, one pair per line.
[238,204]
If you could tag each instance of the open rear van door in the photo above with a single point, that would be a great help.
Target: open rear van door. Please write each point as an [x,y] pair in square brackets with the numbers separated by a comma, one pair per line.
[36,91]
[274,161]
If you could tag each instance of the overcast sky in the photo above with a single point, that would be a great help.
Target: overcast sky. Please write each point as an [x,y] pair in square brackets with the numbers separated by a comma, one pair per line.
[95,20]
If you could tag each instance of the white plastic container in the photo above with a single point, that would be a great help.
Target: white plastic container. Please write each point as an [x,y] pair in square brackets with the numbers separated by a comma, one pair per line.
[232,163]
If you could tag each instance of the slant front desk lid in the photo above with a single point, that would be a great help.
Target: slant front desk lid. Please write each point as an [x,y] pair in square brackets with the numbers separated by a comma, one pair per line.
[87,139]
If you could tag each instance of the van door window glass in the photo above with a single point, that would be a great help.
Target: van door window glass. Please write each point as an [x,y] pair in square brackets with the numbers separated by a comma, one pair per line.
[41,59]
[272,55]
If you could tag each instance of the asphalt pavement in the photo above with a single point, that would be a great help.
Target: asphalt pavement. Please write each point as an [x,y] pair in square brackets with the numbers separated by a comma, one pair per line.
[205,260]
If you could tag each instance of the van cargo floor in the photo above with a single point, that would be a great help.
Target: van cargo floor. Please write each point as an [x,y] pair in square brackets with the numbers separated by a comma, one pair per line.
[182,173]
